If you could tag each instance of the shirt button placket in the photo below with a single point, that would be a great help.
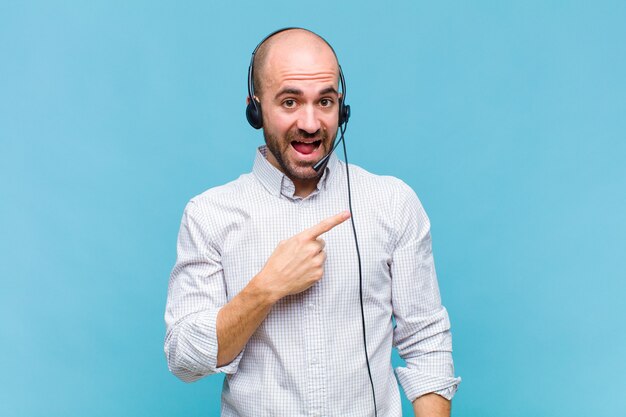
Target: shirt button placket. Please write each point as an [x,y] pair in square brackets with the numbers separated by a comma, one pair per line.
[313,325]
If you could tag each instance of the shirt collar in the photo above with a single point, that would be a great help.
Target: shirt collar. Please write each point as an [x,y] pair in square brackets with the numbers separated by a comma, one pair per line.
[278,183]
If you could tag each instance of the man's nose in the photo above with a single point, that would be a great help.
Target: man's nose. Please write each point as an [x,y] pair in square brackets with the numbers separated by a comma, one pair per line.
[308,120]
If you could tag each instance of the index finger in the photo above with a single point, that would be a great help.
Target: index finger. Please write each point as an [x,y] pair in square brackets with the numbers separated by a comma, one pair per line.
[325,225]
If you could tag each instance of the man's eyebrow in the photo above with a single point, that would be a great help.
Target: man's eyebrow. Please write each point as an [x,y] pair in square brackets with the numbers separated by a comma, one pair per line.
[328,90]
[289,90]
[296,92]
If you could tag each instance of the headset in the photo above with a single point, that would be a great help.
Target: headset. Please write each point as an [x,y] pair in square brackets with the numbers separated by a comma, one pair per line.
[253,110]
[254,116]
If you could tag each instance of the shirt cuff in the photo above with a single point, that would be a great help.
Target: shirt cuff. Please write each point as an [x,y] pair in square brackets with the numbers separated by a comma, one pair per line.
[416,383]
[198,349]
[210,333]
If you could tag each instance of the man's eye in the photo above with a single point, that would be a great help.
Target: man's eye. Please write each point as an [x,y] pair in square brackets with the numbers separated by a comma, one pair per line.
[289,103]
[326,102]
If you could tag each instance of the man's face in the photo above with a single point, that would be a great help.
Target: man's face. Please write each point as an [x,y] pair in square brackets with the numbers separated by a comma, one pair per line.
[300,107]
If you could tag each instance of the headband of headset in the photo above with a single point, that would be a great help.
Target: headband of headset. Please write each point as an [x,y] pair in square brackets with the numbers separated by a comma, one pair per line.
[253,110]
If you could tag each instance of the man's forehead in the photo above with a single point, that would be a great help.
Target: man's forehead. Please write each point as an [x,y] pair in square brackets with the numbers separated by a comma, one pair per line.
[311,80]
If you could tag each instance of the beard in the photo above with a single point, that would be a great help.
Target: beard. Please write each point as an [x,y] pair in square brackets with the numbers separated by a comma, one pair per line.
[295,169]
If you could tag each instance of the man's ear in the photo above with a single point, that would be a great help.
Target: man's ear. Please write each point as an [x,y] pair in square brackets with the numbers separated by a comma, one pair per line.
[255,97]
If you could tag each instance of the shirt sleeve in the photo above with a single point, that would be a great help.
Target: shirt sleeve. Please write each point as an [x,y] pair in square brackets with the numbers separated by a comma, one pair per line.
[196,293]
[422,333]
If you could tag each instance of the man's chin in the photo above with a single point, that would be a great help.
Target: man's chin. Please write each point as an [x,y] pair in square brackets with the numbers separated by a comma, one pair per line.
[303,172]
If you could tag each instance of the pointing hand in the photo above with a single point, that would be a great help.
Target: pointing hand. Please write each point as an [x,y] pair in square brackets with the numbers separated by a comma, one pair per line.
[298,262]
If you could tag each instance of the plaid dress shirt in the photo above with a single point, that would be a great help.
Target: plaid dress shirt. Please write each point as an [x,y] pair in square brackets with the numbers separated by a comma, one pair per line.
[307,357]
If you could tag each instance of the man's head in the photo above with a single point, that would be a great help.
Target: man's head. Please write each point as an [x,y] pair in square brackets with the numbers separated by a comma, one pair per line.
[296,79]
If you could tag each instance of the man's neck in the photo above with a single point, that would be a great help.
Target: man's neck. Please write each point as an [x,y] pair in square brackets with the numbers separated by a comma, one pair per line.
[304,188]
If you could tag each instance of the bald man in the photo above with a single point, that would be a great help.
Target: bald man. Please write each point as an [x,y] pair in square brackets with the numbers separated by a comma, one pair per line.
[266,283]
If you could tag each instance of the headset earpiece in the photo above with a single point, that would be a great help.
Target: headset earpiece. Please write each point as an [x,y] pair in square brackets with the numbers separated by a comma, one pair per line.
[344,112]
[253,113]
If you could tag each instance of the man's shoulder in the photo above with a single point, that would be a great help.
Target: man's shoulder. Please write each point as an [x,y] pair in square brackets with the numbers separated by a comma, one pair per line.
[211,203]
[379,183]
[391,195]
[227,191]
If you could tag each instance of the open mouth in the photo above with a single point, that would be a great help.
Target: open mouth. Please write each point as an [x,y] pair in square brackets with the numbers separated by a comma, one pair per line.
[306,148]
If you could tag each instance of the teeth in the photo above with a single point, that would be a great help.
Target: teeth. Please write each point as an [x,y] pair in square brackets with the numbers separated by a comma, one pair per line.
[308,143]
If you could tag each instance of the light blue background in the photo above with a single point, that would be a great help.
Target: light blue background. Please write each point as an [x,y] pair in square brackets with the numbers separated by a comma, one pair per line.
[507,118]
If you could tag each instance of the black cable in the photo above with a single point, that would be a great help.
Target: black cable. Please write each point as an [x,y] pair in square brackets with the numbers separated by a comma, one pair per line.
[358,253]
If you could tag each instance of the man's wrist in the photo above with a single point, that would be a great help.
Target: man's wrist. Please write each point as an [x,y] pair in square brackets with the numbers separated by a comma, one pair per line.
[261,294]
[431,405]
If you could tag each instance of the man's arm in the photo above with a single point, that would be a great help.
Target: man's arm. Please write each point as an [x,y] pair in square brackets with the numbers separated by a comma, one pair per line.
[431,405]
[422,333]
[204,329]
[195,293]
[239,318]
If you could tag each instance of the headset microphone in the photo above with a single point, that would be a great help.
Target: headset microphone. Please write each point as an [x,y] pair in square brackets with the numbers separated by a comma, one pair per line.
[322,162]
